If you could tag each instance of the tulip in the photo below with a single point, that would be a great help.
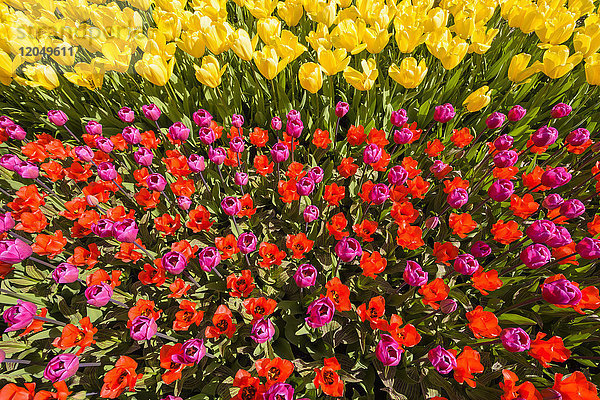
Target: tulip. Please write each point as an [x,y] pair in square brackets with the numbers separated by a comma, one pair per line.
[294,128]
[332,61]
[495,120]
[518,70]
[61,367]
[556,177]
[399,117]
[505,158]
[14,251]
[262,330]
[16,132]
[379,193]
[457,198]
[184,202]
[40,75]
[478,99]
[237,120]
[572,208]
[126,114]
[515,340]
[174,262]
[432,222]
[210,72]
[442,360]
[268,29]
[143,156]
[242,45]
[209,258]
[592,69]
[151,111]
[466,264]
[556,61]
[290,11]
[501,190]
[202,118]
[397,175]
[207,135]
[305,276]
[155,68]
[588,248]
[5,122]
[247,242]
[279,391]
[444,113]
[192,352]
[279,152]
[9,161]
[178,131]
[516,113]
[362,80]
[480,249]
[276,123]
[104,144]
[99,295]
[503,142]
[578,137]
[143,328]
[103,228]
[347,249]
[27,170]
[65,273]
[544,136]
[552,201]
[562,237]
[560,110]
[414,274]
[409,74]
[268,63]
[316,174]
[84,153]
[131,135]
[535,256]
[156,182]
[403,136]
[19,316]
[305,186]
[448,306]
[57,117]
[310,76]
[241,178]
[217,155]
[6,222]
[372,154]
[388,351]
[125,230]
[561,292]
[320,312]
[196,163]
[341,109]
[541,231]
[310,213]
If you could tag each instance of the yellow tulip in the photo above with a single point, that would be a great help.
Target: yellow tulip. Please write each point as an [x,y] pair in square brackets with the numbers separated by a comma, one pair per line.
[242,45]
[580,7]
[592,69]
[408,37]
[288,46]
[522,14]
[484,11]
[464,24]
[39,75]
[478,99]
[409,74]
[438,42]
[216,35]
[87,75]
[587,39]
[214,9]
[436,19]
[171,5]
[558,28]
[8,67]
[211,72]
[362,80]
[268,63]
[141,4]
[156,44]
[192,42]
[261,8]
[90,38]
[481,40]
[155,68]
[65,55]
[348,35]
[168,23]
[16,38]
[518,70]
[319,38]
[457,50]
[557,62]
[344,3]
[78,10]
[333,61]
[311,77]
[268,29]
[117,55]
[321,11]
[290,11]
[376,39]
[369,9]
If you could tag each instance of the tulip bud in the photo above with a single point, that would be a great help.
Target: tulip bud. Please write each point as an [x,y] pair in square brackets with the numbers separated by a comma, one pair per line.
[503,142]
[19,316]
[241,178]
[236,144]
[399,117]
[294,128]
[541,231]
[572,208]
[444,113]
[151,111]
[560,110]
[588,248]
[372,154]
[516,113]
[341,109]
[57,117]
[99,295]
[5,122]
[448,306]
[209,258]
[6,222]
[442,360]
[505,158]
[320,312]
[379,193]
[561,237]
[231,205]
[501,190]
[466,264]
[196,163]
[126,114]
[578,137]
[495,120]
[403,136]
[432,222]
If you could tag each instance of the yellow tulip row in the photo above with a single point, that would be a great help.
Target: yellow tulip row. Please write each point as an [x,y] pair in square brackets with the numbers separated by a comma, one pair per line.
[105,37]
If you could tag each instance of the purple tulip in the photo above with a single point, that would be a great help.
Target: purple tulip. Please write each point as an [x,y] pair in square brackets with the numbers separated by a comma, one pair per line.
[16,132]
[156,182]
[341,109]
[171,397]
[379,193]
[442,360]
[305,276]
[207,135]
[438,167]
[294,128]
[217,155]
[316,174]
[19,316]
[196,163]
[578,137]
[397,175]
[545,136]
[372,154]
[560,110]
[6,222]
[414,274]
[126,114]
[388,351]
[61,367]
[280,152]
[516,113]
[293,115]
[192,352]
[503,142]
[535,256]
[5,122]
[27,170]
[178,131]
[561,292]
[57,117]
[84,153]
[125,230]
[347,249]
[556,177]
[241,178]
[572,208]
[151,111]
[279,391]
[448,306]
[402,136]
[399,117]
[184,202]
[262,330]
[588,248]
[174,262]
[501,190]
[13,251]
[311,213]
[247,242]
[458,198]
[466,264]
[237,144]
[143,328]
[541,231]
[495,120]
[65,273]
[276,124]
[143,156]
[320,312]
[202,118]
[552,201]
[9,161]
[562,237]
[480,249]
[444,113]
[231,205]
[305,186]
[131,135]
[107,171]
[237,120]
[432,222]
[99,295]
[515,340]
[209,258]
[93,128]
[103,228]
[104,144]
[505,158]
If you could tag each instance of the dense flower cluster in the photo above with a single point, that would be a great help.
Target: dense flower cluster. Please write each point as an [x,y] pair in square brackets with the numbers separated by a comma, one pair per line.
[254,263]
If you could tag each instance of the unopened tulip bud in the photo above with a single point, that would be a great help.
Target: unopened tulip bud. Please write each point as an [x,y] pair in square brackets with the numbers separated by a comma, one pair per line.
[448,306]
[341,109]
[432,222]
[91,200]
